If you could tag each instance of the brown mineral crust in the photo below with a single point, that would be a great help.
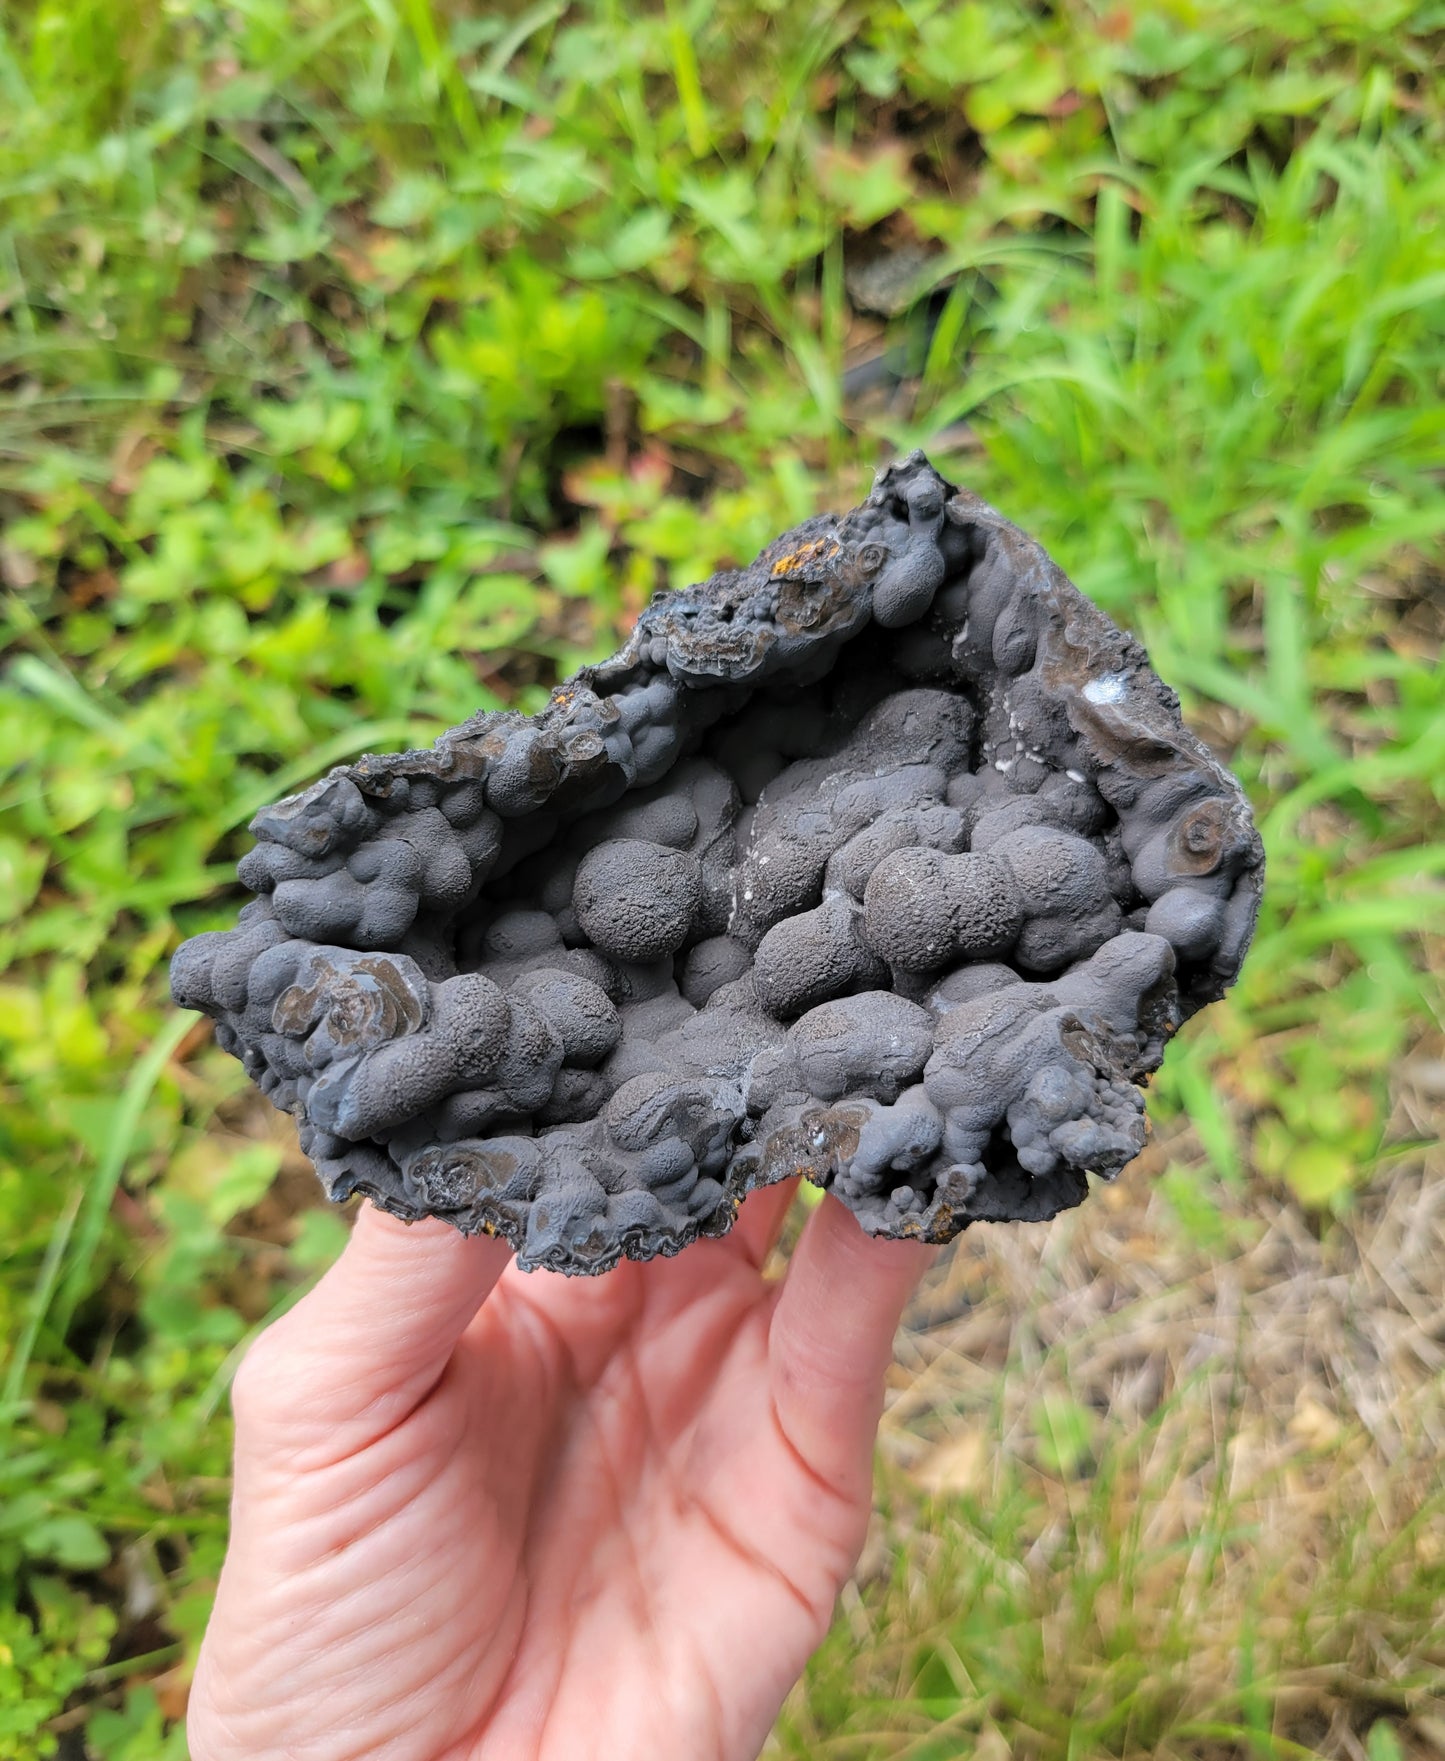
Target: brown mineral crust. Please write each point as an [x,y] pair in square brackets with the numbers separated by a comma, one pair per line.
[886,860]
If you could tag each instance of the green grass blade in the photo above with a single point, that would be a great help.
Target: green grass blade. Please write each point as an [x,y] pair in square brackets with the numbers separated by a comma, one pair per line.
[99,1190]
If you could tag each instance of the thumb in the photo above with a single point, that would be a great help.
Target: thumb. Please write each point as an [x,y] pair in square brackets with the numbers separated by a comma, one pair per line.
[363,1348]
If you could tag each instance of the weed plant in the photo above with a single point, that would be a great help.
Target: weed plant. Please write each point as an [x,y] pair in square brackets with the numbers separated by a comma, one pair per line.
[366,363]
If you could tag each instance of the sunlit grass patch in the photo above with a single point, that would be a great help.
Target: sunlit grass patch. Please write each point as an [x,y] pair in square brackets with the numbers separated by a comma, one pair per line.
[1151,1499]
[362,366]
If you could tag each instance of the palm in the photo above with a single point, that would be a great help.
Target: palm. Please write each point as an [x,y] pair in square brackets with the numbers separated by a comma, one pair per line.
[611,1519]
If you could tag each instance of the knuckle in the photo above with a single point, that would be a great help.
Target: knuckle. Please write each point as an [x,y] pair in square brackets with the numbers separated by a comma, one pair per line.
[258,1389]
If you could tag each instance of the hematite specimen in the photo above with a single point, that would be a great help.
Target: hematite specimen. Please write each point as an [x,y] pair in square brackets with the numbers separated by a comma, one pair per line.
[886,860]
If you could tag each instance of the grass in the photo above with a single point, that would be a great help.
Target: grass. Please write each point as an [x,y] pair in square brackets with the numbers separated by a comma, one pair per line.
[1145,1498]
[362,364]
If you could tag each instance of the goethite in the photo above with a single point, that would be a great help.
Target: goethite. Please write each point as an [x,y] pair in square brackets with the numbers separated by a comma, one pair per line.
[886,861]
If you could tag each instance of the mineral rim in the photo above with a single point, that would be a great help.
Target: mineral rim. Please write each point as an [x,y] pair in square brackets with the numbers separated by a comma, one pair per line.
[886,860]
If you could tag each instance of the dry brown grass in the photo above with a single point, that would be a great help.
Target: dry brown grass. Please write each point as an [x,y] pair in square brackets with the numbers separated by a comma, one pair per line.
[1152,1495]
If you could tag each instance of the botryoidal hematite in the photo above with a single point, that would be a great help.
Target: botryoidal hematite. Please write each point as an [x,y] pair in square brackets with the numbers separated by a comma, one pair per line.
[886,860]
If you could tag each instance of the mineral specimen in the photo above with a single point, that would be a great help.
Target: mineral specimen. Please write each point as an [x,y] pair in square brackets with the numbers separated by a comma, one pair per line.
[885,860]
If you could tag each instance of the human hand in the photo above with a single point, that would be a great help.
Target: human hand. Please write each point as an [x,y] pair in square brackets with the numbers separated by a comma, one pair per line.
[483,1515]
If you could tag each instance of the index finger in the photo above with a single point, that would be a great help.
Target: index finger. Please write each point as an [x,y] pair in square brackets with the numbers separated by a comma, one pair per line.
[367,1345]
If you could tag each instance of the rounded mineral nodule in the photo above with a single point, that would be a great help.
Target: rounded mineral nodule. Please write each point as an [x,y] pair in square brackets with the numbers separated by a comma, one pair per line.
[636,900]
[885,860]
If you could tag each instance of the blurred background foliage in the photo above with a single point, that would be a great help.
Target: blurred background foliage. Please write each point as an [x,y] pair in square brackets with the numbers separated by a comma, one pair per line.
[366,362]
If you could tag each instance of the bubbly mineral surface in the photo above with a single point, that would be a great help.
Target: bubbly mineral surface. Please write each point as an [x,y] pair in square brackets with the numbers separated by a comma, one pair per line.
[886,860]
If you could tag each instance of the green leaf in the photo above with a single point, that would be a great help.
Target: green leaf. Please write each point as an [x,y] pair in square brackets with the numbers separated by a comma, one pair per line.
[247,1179]
[1064,1434]
[21,869]
[1319,1172]
[70,1540]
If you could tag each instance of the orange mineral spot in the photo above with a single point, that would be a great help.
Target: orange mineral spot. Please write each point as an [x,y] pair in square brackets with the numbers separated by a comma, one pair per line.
[795,559]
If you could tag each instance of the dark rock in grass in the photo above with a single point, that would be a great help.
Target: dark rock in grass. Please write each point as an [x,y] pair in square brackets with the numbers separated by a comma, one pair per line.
[885,860]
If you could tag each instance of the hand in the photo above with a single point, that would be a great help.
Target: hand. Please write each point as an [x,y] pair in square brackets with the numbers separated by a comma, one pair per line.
[483,1515]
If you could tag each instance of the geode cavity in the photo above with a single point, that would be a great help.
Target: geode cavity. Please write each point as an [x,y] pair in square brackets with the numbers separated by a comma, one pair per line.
[886,860]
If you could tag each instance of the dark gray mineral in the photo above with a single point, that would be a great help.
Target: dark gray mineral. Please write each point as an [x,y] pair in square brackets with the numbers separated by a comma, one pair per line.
[886,860]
